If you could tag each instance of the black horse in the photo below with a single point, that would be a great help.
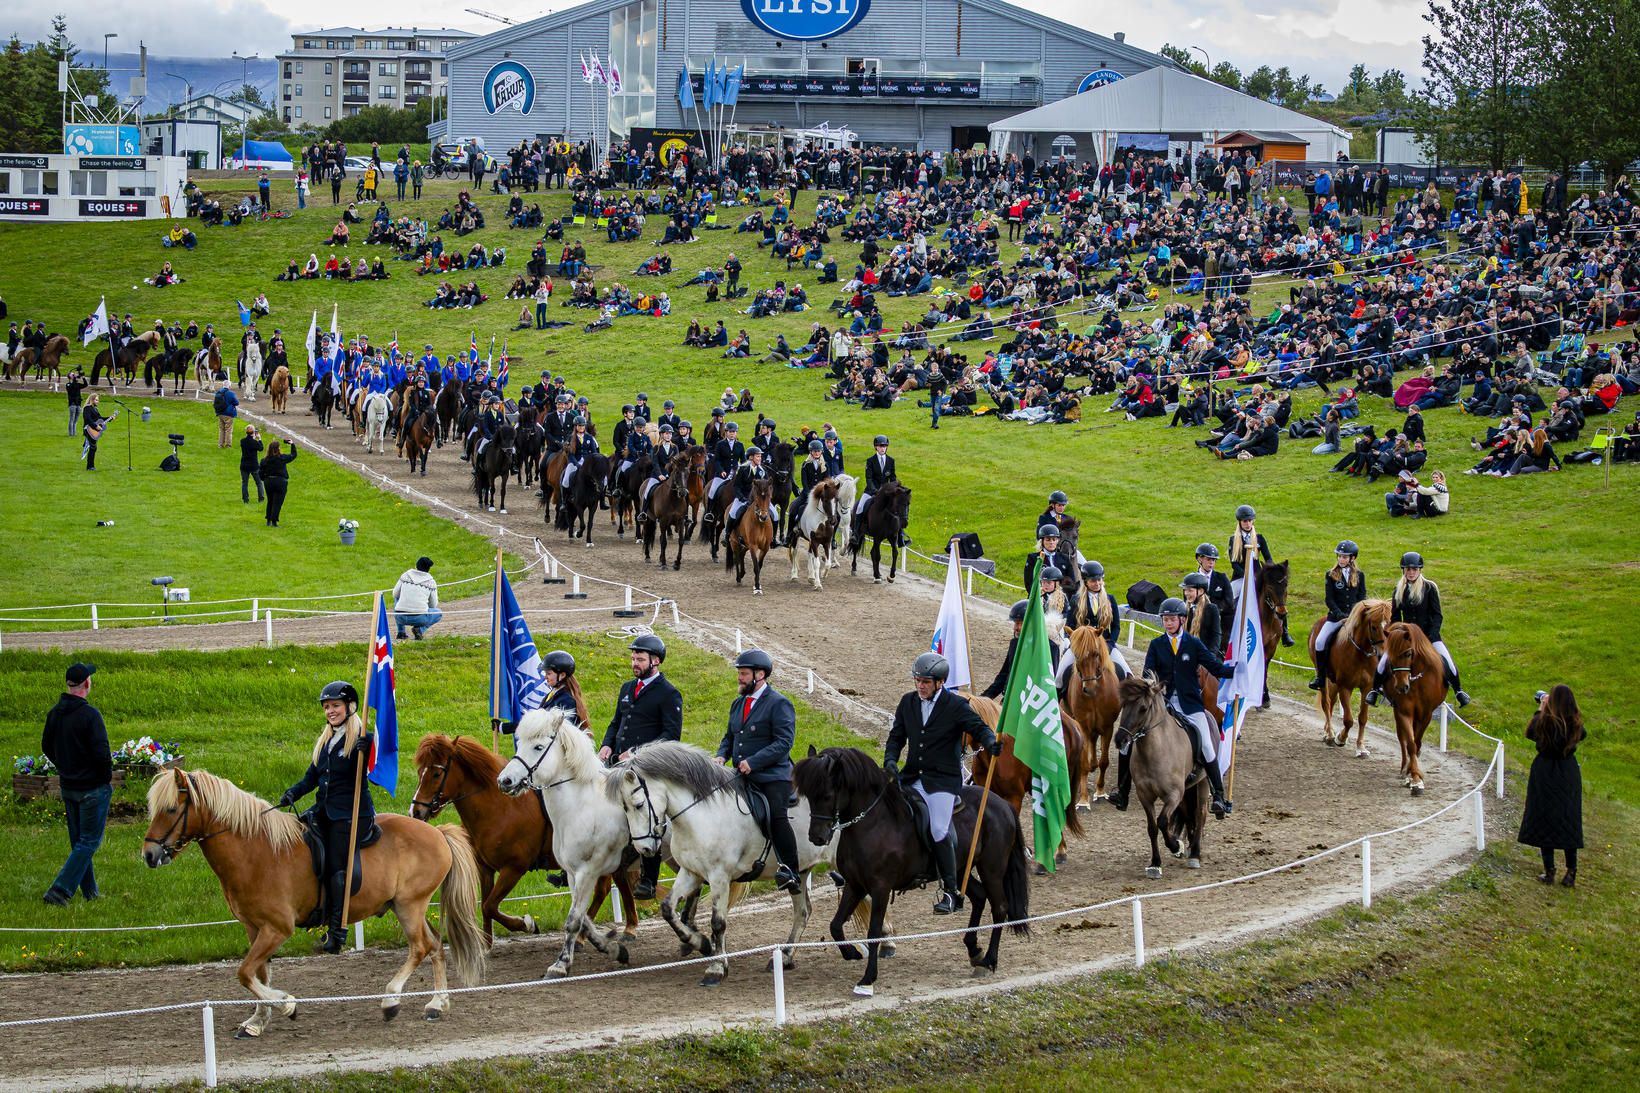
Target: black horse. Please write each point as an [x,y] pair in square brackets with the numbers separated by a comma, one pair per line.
[324,401]
[493,466]
[530,439]
[585,494]
[881,852]
[782,466]
[886,517]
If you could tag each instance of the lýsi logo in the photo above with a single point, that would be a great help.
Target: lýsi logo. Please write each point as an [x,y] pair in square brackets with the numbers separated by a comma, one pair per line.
[805,20]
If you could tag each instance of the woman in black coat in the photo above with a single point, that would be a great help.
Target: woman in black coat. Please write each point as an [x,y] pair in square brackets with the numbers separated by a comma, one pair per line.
[276,478]
[1554,790]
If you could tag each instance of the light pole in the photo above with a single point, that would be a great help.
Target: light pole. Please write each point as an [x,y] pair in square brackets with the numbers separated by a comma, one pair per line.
[1205,58]
[244,81]
[110,34]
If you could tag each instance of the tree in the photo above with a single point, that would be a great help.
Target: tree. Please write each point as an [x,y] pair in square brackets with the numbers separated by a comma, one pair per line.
[1282,85]
[1478,80]
[30,104]
[1261,83]
[1359,81]
[1227,74]
[1390,89]
[1584,108]
[1185,58]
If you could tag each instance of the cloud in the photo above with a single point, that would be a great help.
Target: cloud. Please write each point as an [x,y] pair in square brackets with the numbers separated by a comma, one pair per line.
[206,28]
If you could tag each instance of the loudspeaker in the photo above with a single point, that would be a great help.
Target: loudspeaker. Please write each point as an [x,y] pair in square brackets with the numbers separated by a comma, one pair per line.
[1146,596]
[968,546]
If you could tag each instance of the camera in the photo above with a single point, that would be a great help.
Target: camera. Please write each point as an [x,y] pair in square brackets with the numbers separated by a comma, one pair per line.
[1540,695]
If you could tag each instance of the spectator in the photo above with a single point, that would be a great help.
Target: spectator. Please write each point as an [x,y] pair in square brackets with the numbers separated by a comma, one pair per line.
[1553,819]
[276,478]
[226,404]
[415,599]
[74,384]
[76,741]
[250,470]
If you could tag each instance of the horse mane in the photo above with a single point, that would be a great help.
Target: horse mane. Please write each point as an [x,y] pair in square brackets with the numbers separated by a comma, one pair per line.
[479,762]
[580,759]
[847,490]
[853,772]
[1143,693]
[989,709]
[1422,647]
[1362,614]
[683,765]
[1086,641]
[245,814]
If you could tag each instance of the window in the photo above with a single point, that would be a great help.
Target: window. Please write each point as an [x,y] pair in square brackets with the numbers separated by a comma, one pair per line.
[287,113]
[287,70]
[287,91]
[327,112]
[298,68]
[330,91]
[88,183]
[330,43]
[327,68]
[387,68]
[5,182]
[386,91]
[312,43]
[298,111]
[40,182]
[298,91]
[423,46]
[632,42]
[446,45]
[444,70]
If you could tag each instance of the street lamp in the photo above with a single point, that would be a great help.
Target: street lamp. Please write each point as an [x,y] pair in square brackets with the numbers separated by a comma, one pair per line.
[110,34]
[244,81]
[1205,58]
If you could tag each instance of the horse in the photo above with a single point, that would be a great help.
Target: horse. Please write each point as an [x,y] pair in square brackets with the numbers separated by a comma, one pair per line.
[131,354]
[1352,661]
[279,389]
[590,838]
[716,517]
[510,835]
[268,881]
[666,509]
[622,490]
[885,517]
[324,401]
[697,488]
[493,466]
[752,534]
[676,789]
[880,851]
[208,363]
[1091,694]
[1012,780]
[1070,534]
[250,368]
[419,438]
[580,501]
[1272,587]
[448,404]
[781,468]
[173,362]
[847,492]
[375,421]
[818,528]
[1163,765]
[530,439]
[1417,688]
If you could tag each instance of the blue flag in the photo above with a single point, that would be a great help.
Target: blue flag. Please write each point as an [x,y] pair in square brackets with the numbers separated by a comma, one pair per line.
[244,313]
[380,696]
[731,85]
[686,89]
[708,87]
[519,685]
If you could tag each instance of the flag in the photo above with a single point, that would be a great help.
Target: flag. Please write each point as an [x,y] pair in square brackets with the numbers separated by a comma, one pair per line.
[501,373]
[1030,713]
[686,89]
[472,346]
[586,70]
[490,356]
[379,696]
[614,75]
[519,685]
[335,332]
[731,85]
[244,313]
[1245,689]
[708,87]
[598,73]
[313,338]
[393,349]
[951,627]
[98,327]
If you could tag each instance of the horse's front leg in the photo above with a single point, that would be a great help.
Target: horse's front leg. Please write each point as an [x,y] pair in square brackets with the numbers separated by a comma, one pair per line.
[1154,871]
[801,907]
[253,976]
[847,904]
[499,889]
[581,888]
[719,967]
[1361,750]
[685,886]
[866,987]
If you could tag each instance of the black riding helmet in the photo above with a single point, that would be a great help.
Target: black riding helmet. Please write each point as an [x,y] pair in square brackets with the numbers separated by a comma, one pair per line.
[757,660]
[1412,560]
[1348,547]
[340,690]
[1051,573]
[1174,606]
[560,662]
[931,666]
[816,446]
[1016,613]
[1207,550]
[1093,571]
[1048,531]
[1245,512]
[879,441]
[1195,580]
[1057,497]
[717,411]
[649,643]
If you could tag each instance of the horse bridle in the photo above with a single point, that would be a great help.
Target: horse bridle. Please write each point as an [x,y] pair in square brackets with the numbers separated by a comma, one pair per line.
[531,768]
[833,827]
[166,846]
[659,821]
[436,805]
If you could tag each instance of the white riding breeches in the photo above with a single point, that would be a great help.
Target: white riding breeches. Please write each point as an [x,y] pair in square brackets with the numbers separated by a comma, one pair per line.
[648,485]
[569,473]
[860,505]
[713,486]
[1206,732]
[1440,647]
[737,506]
[1328,629]
[940,806]
[626,465]
[1120,660]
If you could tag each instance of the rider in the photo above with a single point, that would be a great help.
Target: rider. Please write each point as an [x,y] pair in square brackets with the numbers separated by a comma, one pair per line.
[1047,552]
[1016,615]
[581,443]
[1054,514]
[1218,585]
[1173,658]
[649,708]
[560,423]
[834,453]
[1346,586]
[751,471]
[489,421]
[758,744]
[1094,606]
[563,690]
[931,724]
[641,408]
[1204,613]
[728,454]
[1418,600]
[660,458]
[879,472]
[1247,544]
[813,472]
[421,399]
[638,445]
[624,428]
[669,415]
[343,746]
[766,438]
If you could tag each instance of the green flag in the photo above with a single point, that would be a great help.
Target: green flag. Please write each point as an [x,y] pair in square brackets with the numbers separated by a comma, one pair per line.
[1030,713]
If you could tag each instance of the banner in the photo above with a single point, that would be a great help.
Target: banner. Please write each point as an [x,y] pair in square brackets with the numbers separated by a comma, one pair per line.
[381,696]
[1245,689]
[102,140]
[667,142]
[951,627]
[1030,714]
[967,88]
[98,327]
[520,684]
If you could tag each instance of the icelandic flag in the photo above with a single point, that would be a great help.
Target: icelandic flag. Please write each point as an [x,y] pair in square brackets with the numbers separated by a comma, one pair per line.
[472,347]
[686,90]
[1246,688]
[98,327]
[393,348]
[501,372]
[951,627]
[517,682]
[379,696]
[244,313]
[731,85]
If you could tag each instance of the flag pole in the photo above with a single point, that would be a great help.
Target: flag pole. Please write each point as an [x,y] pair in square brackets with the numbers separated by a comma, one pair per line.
[973,845]
[495,661]
[358,768]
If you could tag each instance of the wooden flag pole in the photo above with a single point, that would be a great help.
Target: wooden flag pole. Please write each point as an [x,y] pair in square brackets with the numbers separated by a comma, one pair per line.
[962,599]
[495,661]
[358,769]
[973,845]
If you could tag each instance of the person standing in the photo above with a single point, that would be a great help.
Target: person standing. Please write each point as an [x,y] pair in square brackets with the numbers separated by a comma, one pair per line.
[92,428]
[301,189]
[1553,819]
[76,741]
[415,599]
[75,384]
[226,404]
[758,744]
[250,470]
[264,191]
[649,708]
[276,478]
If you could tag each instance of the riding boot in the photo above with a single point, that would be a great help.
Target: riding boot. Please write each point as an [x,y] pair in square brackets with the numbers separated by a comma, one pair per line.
[1124,782]
[1457,689]
[1215,779]
[649,876]
[1320,679]
[1286,638]
[1377,691]
[945,857]
[335,931]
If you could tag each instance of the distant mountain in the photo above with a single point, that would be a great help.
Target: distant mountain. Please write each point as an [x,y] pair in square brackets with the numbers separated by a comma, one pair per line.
[222,75]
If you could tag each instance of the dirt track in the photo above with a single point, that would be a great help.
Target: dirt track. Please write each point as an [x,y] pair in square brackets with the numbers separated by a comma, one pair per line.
[1294,796]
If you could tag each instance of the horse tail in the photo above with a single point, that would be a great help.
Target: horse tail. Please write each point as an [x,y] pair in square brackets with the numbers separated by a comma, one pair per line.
[1016,883]
[1077,744]
[469,949]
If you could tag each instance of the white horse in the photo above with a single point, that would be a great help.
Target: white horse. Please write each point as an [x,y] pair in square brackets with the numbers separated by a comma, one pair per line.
[818,527]
[848,488]
[376,406]
[589,831]
[250,369]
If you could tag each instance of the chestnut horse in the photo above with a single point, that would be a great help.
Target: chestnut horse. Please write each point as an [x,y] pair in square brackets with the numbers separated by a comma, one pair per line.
[1417,687]
[418,439]
[279,389]
[697,488]
[667,509]
[1352,657]
[1090,694]
[46,361]
[267,878]
[510,835]
[752,534]
[1012,779]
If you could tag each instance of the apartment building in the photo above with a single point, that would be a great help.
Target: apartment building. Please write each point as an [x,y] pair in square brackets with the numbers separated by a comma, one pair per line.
[338,71]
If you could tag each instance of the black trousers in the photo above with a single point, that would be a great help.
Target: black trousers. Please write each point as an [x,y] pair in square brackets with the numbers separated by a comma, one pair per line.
[780,824]
[90,454]
[247,475]
[276,496]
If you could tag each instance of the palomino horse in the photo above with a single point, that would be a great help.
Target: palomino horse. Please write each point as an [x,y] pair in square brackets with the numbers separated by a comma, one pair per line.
[511,835]
[880,852]
[752,534]
[666,509]
[1092,696]
[493,466]
[886,517]
[375,421]
[419,439]
[1163,764]
[1417,688]
[279,389]
[818,528]
[1012,780]
[1351,660]
[267,878]
[590,838]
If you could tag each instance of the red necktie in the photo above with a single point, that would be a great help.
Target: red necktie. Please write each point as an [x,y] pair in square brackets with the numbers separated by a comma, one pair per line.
[637,689]
[746,710]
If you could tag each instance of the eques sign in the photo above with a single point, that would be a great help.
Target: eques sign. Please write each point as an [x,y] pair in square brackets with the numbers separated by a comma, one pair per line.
[509,86]
[24,206]
[113,206]
[805,20]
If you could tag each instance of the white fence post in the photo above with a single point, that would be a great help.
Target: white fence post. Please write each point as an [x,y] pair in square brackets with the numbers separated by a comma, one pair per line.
[811,681]
[625,611]
[94,623]
[268,618]
[255,603]
[358,936]
[1366,872]
[968,575]
[1500,770]
[1445,713]
[675,619]
[737,641]
[575,592]
[1132,627]
[617,914]
[1480,819]
[1138,935]
[779,965]
[209,1017]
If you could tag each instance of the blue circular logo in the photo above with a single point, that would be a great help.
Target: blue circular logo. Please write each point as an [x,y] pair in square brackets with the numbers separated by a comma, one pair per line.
[805,20]
[1098,78]
[509,86]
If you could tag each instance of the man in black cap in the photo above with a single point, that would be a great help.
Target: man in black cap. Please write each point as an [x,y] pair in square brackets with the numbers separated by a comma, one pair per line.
[415,599]
[77,742]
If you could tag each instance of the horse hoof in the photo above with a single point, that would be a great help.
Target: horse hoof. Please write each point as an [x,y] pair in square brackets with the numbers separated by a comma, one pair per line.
[1153,872]
[886,950]
[1193,863]
[876,580]
[1418,790]
[390,1012]
[503,512]
[982,972]
[1061,858]
[622,957]
[1039,869]
[712,981]
[1178,854]
[529,925]
[431,1014]
[243,1033]
[1085,806]
[864,990]
[557,971]
[1361,753]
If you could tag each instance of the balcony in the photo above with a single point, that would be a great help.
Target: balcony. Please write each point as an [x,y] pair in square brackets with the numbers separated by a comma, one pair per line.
[362,98]
[411,71]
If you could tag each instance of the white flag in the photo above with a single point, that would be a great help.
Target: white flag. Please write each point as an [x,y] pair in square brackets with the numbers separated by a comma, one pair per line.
[951,626]
[586,69]
[335,331]
[614,75]
[99,323]
[1245,689]
[598,73]
[313,338]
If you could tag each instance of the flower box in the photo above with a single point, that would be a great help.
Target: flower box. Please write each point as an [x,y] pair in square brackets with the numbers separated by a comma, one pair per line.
[29,787]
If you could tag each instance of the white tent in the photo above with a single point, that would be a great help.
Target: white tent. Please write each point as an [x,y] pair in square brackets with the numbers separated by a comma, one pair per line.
[1165,101]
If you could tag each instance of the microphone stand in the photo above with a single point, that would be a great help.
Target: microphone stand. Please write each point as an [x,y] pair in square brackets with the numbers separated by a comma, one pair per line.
[127,410]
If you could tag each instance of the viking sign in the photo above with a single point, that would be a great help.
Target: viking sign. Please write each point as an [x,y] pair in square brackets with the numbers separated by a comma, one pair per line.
[805,20]
[509,86]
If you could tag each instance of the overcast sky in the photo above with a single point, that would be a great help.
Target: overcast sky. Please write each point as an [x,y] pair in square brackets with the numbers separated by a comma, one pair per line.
[1321,37]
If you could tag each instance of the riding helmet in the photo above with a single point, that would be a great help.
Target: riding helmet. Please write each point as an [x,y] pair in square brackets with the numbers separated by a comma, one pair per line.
[1093,571]
[1245,512]
[583,401]
[581,419]
[1195,580]
[1057,497]
[560,662]
[717,411]
[666,428]
[757,660]
[642,397]
[879,441]
[1016,613]
[1174,606]
[689,425]
[734,427]
[667,405]
[1051,573]
[649,643]
[1412,560]
[831,434]
[340,690]
[627,408]
[931,666]
[1207,550]
[1348,547]
[766,423]
[816,446]
[1048,531]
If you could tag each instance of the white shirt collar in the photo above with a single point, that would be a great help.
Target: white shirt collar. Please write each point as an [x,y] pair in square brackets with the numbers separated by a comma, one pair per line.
[757,694]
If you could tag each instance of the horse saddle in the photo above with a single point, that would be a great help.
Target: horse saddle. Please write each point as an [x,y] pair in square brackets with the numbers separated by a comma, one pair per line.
[1199,770]
[313,836]
[928,872]
[757,803]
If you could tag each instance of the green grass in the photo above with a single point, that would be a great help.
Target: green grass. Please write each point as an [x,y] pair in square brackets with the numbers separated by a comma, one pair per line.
[252,715]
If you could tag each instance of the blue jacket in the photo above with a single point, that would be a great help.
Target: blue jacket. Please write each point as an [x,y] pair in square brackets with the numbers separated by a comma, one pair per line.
[1178,671]
[763,740]
[333,776]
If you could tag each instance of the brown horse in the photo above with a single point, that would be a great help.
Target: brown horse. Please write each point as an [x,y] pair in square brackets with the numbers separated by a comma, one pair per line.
[1091,694]
[416,441]
[268,880]
[715,528]
[667,509]
[1351,659]
[552,478]
[448,404]
[45,362]
[697,488]
[1012,780]
[208,363]
[133,354]
[752,534]
[510,835]
[279,389]
[1417,687]
[1162,763]
[1272,595]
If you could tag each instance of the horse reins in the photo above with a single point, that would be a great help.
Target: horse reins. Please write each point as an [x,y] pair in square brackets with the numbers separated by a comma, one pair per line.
[436,805]
[834,828]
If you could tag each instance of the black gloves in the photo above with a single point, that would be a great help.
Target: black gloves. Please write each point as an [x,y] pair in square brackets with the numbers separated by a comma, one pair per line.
[994,747]
[287,798]
[891,768]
